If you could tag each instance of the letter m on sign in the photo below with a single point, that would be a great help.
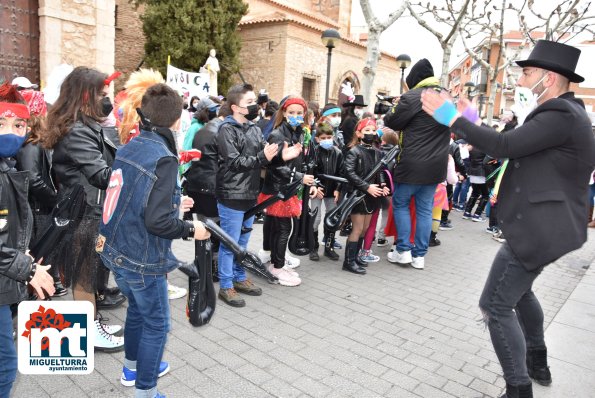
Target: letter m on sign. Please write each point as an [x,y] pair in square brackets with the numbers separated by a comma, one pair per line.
[55,336]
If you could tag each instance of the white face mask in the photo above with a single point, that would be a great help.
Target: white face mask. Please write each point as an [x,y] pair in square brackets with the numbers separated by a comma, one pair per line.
[335,121]
[359,113]
[525,101]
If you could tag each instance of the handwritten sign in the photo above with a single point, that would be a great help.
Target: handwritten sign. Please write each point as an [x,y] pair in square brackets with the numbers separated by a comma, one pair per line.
[188,83]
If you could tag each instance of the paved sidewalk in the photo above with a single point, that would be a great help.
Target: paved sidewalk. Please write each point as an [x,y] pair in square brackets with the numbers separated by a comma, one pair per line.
[395,332]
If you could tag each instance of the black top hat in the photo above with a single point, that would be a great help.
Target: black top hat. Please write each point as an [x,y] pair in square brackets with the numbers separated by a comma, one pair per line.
[555,57]
[358,101]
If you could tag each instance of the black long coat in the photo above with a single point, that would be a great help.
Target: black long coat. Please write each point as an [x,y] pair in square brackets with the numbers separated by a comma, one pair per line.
[543,200]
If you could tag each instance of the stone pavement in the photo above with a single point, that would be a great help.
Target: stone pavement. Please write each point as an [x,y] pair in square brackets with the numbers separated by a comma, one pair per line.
[395,332]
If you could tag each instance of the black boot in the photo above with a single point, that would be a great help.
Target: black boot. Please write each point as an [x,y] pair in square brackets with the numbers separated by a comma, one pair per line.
[349,263]
[469,207]
[329,246]
[314,253]
[346,230]
[358,260]
[524,391]
[107,298]
[433,240]
[537,366]
[215,267]
[59,288]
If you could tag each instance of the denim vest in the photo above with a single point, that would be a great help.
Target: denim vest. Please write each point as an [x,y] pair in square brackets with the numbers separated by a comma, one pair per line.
[123,238]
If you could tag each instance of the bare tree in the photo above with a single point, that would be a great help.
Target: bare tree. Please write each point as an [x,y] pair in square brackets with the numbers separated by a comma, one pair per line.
[448,15]
[488,18]
[568,19]
[375,29]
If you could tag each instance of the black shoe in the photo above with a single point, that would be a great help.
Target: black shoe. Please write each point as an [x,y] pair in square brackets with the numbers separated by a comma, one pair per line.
[433,240]
[314,255]
[106,301]
[112,291]
[329,246]
[525,391]
[349,262]
[59,289]
[537,366]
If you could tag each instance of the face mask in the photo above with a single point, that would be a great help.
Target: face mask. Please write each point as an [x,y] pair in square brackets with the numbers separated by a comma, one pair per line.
[525,101]
[335,121]
[369,139]
[252,112]
[326,144]
[359,113]
[295,121]
[194,105]
[106,106]
[10,145]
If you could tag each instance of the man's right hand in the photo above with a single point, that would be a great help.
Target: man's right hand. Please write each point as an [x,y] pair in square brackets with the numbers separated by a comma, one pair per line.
[42,281]
[200,231]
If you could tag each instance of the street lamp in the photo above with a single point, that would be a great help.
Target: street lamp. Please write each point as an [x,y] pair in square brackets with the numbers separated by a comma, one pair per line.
[330,38]
[404,61]
[469,86]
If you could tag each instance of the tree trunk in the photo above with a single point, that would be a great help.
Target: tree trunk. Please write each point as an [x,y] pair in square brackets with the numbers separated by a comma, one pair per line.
[369,70]
[446,52]
[491,101]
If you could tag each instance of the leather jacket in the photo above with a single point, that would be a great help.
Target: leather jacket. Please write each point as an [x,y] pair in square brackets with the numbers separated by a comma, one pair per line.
[38,162]
[85,156]
[16,224]
[359,161]
[329,161]
[201,176]
[455,152]
[476,163]
[241,156]
[279,172]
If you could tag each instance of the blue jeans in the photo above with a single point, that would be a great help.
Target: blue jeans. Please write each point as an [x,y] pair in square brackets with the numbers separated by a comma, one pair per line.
[147,324]
[459,196]
[8,353]
[508,288]
[232,222]
[424,201]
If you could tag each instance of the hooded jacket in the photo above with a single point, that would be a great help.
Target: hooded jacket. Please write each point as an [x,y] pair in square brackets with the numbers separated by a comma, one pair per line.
[424,142]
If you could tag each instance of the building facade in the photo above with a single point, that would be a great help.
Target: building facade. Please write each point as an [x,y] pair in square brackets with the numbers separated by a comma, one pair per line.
[467,70]
[43,34]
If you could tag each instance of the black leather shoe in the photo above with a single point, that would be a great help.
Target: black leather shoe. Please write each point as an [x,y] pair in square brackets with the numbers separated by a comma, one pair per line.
[107,301]
[112,291]
[59,290]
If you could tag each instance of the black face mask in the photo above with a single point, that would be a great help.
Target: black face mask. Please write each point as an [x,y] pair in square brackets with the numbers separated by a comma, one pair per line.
[106,106]
[212,115]
[252,112]
[369,139]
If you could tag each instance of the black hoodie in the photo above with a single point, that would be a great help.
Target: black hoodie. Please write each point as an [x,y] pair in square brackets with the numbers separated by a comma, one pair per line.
[420,71]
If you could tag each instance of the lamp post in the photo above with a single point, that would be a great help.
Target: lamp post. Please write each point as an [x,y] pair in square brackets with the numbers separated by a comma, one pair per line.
[330,38]
[469,86]
[404,61]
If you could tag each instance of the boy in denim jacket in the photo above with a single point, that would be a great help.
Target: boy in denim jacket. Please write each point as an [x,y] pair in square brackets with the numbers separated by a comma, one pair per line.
[140,218]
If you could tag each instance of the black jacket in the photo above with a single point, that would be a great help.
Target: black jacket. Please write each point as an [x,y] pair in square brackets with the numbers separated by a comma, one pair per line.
[16,224]
[280,172]
[476,167]
[359,161]
[85,156]
[201,177]
[424,145]
[241,155]
[329,161]
[543,196]
[455,152]
[37,161]
[347,127]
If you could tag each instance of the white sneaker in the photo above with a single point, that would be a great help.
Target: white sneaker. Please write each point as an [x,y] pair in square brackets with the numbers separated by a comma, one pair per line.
[399,258]
[105,341]
[264,256]
[285,278]
[369,257]
[417,262]
[111,329]
[291,261]
[174,292]
[288,268]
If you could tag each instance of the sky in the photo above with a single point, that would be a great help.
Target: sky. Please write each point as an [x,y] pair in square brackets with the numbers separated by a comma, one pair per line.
[406,36]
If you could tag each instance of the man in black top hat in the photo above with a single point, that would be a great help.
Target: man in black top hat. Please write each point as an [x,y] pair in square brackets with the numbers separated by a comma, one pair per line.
[542,203]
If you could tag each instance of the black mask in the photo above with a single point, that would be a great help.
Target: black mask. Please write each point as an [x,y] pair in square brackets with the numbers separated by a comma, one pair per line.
[252,112]
[369,139]
[212,115]
[106,106]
